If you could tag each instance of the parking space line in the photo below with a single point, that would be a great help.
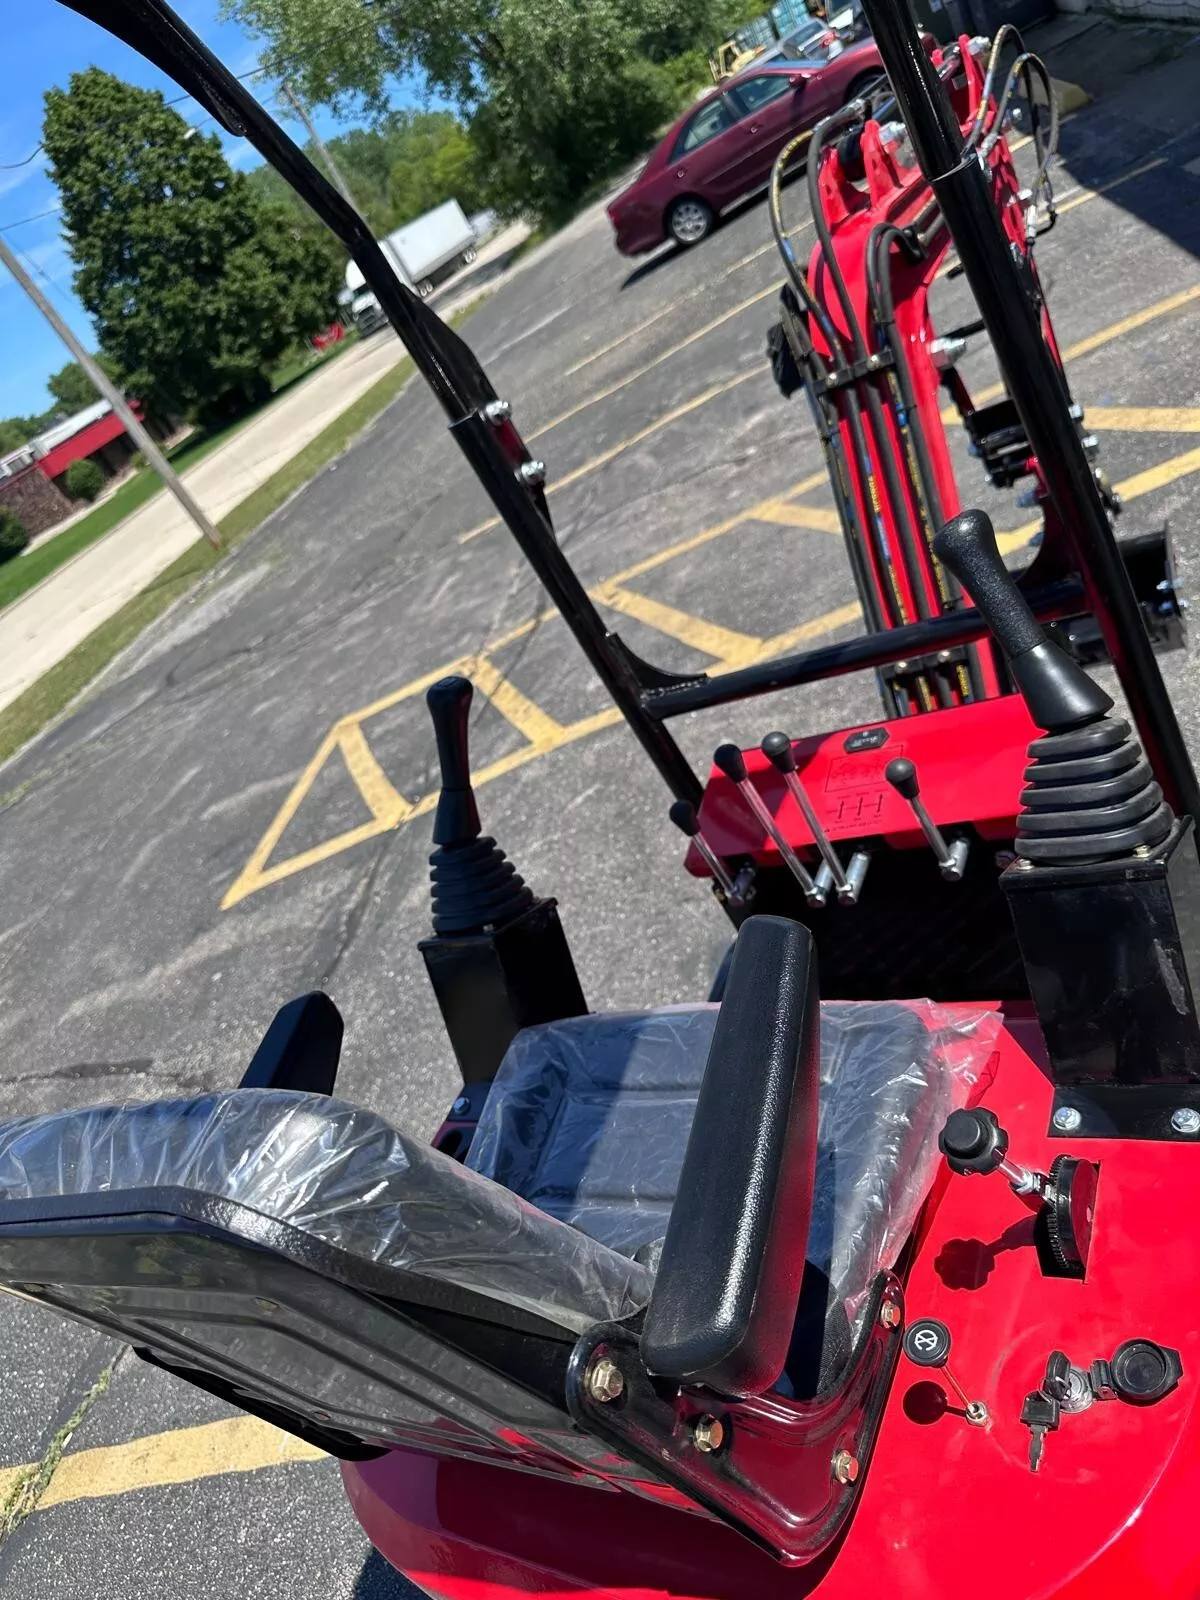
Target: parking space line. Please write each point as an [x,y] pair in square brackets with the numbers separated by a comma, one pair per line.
[686,299]
[640,372]
[817,518]
[1131,488]
[814,628]
[1074,198]
[1096,341]
[1144,419]
[183,1455]
[759,369]
[723,644]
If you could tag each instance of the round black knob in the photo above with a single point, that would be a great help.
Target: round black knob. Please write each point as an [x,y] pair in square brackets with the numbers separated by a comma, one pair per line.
[777,748]
[683,815]
[727,758]
[1143,1371]
[927,1342]
[973,1141]
[902,776]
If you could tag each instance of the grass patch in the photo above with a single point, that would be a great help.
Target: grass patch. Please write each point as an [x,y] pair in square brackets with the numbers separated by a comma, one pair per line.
[57,688]
[25,572]
[31,1484]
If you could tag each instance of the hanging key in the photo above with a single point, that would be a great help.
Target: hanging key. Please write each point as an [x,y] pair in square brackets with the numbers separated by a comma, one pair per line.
[1040,1415]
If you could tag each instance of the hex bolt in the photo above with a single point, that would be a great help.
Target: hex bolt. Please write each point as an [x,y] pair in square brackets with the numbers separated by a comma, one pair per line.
[845,1467]
[605,1381]
[889,1314]
[976,1413]
[460,1105]
[533,473]
[1067,1119]
[1186,1120]
[498,410]
[708,1434]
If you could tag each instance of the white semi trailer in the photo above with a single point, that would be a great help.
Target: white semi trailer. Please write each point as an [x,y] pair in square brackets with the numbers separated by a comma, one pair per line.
[421,253]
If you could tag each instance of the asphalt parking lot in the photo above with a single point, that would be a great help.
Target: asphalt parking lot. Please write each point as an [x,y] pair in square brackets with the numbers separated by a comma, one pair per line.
[241,813]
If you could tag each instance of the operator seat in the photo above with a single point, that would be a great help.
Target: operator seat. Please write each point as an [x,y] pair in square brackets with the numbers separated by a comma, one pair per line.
[302,1258]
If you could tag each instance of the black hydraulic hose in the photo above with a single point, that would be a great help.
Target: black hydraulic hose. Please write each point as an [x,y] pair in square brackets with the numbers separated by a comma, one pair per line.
[858,349]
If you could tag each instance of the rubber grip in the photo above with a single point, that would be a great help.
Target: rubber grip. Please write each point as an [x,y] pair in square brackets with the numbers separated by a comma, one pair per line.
[967,546]
[449,702]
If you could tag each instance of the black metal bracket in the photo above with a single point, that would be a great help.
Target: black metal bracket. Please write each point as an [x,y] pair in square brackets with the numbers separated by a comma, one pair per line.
[1120,1111]
[854,372]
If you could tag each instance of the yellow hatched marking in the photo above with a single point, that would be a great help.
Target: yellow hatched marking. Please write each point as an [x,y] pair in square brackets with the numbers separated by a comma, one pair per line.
[724,644]
[527,718]
[817,518]
[1144,419]
[384,802]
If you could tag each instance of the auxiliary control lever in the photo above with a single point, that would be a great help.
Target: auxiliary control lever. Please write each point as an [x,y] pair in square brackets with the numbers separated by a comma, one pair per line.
[727,758]
[848,882]
[951,857]
[683,815]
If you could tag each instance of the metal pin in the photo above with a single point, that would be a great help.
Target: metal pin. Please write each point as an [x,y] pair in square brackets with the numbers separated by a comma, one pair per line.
[729,760]
[683,815]
[777,748]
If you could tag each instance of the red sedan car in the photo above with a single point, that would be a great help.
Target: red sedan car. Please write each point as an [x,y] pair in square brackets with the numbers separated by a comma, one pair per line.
[725,145]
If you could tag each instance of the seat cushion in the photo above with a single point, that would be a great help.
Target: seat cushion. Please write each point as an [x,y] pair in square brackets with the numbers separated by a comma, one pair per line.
[338,1174]
[588,1119]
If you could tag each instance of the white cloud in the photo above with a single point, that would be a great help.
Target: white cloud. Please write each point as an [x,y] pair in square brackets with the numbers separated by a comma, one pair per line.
[241,154]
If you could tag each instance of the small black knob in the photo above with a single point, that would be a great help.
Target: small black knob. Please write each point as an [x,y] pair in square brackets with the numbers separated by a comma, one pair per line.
[777,748]
[457,818]
[927,1342]
[683,815]
[1143,1371]
[973,1141]
[902,776]
[727,758]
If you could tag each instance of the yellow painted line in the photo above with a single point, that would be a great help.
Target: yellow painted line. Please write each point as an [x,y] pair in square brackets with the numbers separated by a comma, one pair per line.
[815,628]
[184,1455]
[528,719]
[640,372]
[383,801]
[611,454]
[686,299]
[1096,341]
[1084,195]
[818,518]
[723,644]
[1144,419]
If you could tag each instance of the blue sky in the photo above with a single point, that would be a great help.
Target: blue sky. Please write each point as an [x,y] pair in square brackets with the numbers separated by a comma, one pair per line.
[44,48]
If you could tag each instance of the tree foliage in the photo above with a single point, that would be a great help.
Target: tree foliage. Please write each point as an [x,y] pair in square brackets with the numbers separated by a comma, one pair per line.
[73,390]
[195,284]
[556,93]
[84,480]
[13,537]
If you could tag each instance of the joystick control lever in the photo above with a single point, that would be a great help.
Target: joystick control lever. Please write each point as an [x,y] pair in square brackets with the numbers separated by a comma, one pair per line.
[727,758]
[848,881]
[683,815]
[951,856]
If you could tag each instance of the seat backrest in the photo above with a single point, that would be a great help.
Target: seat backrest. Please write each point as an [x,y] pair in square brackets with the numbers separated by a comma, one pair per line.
[304,1259]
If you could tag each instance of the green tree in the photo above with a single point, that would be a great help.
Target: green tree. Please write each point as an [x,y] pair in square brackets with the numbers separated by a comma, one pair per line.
[84,480]
[13,537]
[72,389]
[196,286]
[556,92]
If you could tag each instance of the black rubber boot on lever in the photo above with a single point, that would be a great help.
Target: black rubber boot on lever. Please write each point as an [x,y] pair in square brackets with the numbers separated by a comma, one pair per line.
[1090,794]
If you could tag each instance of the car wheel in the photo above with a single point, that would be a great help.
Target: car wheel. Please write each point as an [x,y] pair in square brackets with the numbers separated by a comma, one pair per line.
[689,220]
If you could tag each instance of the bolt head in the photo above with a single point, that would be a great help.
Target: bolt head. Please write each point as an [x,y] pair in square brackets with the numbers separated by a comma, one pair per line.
[708,1434]
[605,1381]
[1067,1119]
[1186,1120]
[889,1314]
[533,472]
[845,1467]
[460,1105]
[498,410]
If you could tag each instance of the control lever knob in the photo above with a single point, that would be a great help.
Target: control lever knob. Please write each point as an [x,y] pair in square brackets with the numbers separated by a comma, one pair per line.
[777,748]
[973,1141]
[727,758]
[902,776]
[927,1344]
[457,818]
[683,815]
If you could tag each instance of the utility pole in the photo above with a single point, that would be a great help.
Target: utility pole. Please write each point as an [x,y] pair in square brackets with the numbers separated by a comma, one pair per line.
[113,395]
[327,161]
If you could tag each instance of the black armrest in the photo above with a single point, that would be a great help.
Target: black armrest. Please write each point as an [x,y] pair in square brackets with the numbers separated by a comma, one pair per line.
[301,1048]
[728,1284]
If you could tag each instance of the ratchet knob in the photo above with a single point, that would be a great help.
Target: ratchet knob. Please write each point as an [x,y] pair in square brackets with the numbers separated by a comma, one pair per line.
[902,776]
[973,1141]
